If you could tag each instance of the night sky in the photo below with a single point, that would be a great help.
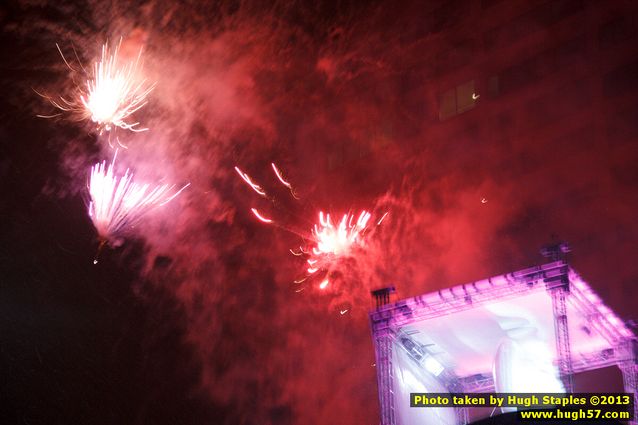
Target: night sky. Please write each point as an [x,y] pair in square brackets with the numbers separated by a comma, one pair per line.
[194,318]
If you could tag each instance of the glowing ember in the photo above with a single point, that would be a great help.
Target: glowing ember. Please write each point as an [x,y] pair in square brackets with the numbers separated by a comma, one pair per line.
[381,219]
[113,92]
[117,203]
[279,176]
[260,217]
[248,180]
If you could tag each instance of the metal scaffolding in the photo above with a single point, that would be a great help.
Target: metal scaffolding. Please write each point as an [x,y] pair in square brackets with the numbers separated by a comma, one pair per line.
[393,327]
[558,286]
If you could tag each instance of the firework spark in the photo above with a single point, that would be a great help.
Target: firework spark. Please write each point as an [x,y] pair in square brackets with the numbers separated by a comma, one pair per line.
[112,92]
[260,217]
[117,203]
[248,180]
[381,219]
[331,242]
[279,176]
[283,181]
[338,240]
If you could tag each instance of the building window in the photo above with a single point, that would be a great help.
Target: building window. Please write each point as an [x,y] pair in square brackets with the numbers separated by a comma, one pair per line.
[457,100]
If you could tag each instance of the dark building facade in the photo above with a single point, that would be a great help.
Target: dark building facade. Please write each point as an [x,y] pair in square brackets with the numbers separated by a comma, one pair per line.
[515,72]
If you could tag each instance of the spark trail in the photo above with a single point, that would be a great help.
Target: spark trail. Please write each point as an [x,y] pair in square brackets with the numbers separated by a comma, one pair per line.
[249,181]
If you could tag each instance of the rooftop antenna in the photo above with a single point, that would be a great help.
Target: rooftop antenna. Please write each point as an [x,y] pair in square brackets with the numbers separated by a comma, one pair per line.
[382,296]
[555,251]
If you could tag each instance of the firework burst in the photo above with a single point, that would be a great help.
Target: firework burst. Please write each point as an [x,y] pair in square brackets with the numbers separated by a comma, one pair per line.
[338,240]
[117,202]
[328,243]
[331,242]
[112,92]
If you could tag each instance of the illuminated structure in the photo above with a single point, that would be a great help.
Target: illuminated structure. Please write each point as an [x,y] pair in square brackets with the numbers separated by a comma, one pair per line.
[465,338]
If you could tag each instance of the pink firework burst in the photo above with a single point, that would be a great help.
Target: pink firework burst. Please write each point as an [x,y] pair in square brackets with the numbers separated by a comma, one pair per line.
[117,202]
